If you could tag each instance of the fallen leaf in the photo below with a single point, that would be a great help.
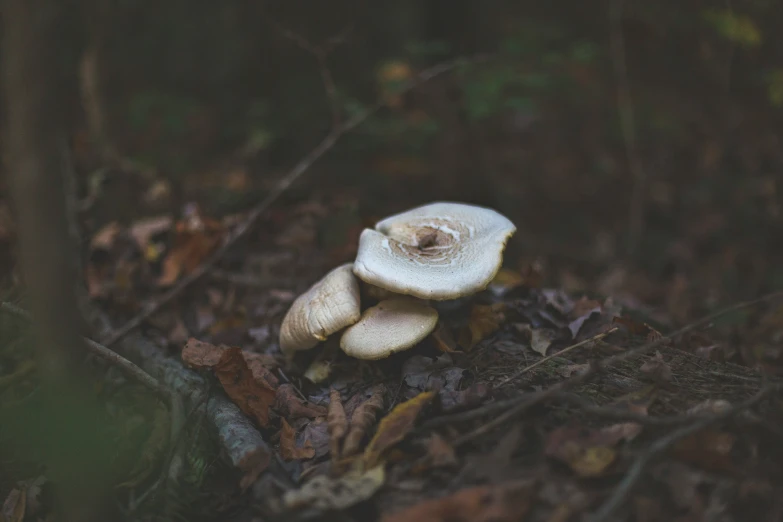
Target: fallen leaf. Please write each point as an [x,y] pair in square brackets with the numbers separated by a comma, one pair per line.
[15,505]
[201,355]
[291,406]
[317,432]
[484,320]
[439,453]
[471,396]
[588,452]
[443,338]
[656,369]
[498,503]
[337,423]
[198,354]
[593,461]
[105,237]
[505,280]
[260,366]
[633,327]
[581,312]
[540,340]
[195,238]
[253,396]
[327,493]
[288,448]
[707,449]
[143,230]
[362,419]
[395,427]
[425,373]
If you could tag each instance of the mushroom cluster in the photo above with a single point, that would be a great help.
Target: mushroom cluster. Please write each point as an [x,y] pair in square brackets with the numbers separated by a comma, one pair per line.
[440,251]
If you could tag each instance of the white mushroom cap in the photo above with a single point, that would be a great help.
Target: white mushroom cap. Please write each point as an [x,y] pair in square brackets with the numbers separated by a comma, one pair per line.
[390,326]
[328,306]
[437,251]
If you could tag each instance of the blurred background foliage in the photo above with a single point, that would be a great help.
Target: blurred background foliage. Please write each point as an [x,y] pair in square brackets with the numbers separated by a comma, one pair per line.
[197,89]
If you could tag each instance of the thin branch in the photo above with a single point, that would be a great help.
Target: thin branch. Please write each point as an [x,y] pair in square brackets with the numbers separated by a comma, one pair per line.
[617,498]
[320,53]
[286,181]
[538,363]
[112,357]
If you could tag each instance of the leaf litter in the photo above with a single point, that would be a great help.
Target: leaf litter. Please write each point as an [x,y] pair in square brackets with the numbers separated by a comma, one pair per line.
[514,321]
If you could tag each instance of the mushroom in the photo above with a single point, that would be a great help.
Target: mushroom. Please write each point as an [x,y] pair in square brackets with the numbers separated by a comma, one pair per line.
[327,307]
[391,326]
[437,251]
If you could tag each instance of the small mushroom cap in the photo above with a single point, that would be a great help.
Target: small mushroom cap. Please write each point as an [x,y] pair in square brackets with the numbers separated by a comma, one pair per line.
[438,251]
[328,306]
[390,326]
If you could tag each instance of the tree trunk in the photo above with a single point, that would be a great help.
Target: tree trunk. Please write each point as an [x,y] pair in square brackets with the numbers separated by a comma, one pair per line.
[58,425]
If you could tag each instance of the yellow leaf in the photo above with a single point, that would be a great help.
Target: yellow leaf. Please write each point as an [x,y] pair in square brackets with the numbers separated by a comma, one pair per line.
[394,427]
[593,461]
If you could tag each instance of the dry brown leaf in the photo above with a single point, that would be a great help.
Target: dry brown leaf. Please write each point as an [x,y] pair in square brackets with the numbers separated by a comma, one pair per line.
[500,503]
[15,505]
[337,422]
[362,419]
[195,239]
[707,449]
[506,280]
[254,397]
[484,320]
[395,426]
[198,354]
[288,448]
[444,340]
[291,406]
[105,237]
[633,327]
[260,365]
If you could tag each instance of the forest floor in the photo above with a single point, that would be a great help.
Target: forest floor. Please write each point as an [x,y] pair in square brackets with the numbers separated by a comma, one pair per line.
[576,387]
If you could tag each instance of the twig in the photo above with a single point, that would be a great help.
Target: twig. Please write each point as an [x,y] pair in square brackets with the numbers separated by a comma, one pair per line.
[628,126]
[633,475]
[130,369]
[320,53]
[526,369]
[286,181]
[517,405]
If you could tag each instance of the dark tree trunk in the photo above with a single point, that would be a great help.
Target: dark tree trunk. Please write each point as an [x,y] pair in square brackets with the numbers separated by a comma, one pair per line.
[58,425]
